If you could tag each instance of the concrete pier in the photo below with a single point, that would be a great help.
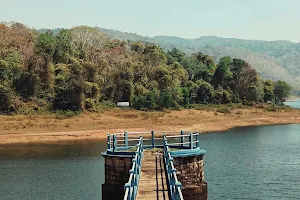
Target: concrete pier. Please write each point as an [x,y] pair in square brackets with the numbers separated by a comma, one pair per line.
[165,170]
[116,175]
[190,172]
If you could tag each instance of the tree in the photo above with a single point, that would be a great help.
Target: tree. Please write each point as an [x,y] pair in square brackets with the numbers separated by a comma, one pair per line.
[163,76]
[45,47]
[166,99]
[137,47]
[237,67]
[248,85]
[5,100]
[268,90]
[154,55]
[175,56]
[87,42]
[201,92]
[185,95]
[222,74]
[64,49]
[69,91]
[26,84]
[281,90]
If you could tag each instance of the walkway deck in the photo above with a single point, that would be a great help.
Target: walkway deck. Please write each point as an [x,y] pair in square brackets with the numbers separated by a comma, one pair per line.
[153,185]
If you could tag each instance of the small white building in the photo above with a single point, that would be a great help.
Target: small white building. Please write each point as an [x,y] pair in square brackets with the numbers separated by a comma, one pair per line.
[123,104]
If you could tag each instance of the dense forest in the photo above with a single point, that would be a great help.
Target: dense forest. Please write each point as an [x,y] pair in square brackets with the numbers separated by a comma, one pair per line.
[81,68]
[272,59]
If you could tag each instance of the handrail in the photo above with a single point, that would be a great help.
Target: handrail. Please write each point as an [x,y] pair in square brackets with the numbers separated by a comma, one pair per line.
[120,142]
[131,186]
[173,183]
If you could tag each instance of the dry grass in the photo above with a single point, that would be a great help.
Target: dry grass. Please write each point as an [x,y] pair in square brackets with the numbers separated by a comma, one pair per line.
[91,126]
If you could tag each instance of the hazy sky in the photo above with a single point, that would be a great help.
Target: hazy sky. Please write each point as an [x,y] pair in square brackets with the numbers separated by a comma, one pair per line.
[250,19]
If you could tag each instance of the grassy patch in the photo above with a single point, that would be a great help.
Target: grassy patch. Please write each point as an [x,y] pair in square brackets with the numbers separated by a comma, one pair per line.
[61,114]
[278,108]
[225,110]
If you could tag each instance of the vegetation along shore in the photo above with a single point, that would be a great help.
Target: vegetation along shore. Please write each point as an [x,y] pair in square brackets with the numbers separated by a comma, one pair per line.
[70,81]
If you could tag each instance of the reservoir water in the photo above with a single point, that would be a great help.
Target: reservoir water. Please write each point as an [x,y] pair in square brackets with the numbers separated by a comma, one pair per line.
[243,163]
[293,103]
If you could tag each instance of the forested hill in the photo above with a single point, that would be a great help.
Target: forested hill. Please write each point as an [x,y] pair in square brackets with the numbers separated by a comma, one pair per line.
[272,59]
[82,68]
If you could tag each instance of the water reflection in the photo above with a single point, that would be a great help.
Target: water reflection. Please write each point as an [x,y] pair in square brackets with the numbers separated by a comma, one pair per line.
[61,150]
[51,171]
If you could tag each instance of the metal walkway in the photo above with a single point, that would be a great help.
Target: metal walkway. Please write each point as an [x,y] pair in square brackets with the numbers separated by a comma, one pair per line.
[153,184]
[153,174]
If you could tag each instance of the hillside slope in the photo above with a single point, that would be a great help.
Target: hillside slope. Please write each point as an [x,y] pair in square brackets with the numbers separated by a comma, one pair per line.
[272,59]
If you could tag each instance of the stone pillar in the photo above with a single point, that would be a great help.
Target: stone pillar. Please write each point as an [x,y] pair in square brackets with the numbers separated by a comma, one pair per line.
[190,172]
[116,175]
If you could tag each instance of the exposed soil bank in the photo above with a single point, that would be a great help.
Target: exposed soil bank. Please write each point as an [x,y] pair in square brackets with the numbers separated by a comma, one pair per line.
[95,126]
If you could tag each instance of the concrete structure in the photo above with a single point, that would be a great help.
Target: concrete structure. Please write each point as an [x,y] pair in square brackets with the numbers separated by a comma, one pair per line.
[176,171]
[116,175]
[190,172]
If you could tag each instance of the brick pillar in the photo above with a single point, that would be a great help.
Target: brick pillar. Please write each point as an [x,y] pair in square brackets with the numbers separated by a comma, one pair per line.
[116,175]
[190,172]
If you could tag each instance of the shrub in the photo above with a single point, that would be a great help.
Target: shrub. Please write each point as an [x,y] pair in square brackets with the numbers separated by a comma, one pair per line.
[68,93]
[166,100]
[225,110]
[138,102]
[272,108]
[150,101]
[6,105]
[89,105]
[202,92]
[217,97]
[65,114]
[26,84]
[107,104]
[91,90]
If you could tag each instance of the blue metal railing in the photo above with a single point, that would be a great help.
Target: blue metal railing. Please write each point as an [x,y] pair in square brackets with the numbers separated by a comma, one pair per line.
[131,186]
[120,143]
[173,183]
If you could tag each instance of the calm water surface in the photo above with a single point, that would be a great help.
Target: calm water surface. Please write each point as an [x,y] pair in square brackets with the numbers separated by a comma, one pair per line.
[243,163]
[294,104]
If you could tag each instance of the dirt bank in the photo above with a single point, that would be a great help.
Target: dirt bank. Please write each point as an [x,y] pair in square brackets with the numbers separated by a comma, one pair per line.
[95,126]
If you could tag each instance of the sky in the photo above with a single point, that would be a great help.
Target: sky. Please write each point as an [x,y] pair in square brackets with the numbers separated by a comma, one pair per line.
[246,19]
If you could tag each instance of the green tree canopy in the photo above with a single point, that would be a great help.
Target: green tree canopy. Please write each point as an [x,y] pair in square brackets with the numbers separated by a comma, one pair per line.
[281,90]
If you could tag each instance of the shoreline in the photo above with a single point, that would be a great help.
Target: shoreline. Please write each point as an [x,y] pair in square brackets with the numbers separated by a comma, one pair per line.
[293,98]
[135,121]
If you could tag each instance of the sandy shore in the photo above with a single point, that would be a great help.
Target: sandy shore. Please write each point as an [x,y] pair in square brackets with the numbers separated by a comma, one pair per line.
[95,126]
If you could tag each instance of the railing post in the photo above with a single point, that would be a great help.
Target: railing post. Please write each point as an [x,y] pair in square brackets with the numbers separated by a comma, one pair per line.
[126,139]
[178,185]
[197,140]
[191,140]
[114,143]
[165,140]
[108,142]
[142,146]
[153,141]
[132,183]
[127,186]
[181,138]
